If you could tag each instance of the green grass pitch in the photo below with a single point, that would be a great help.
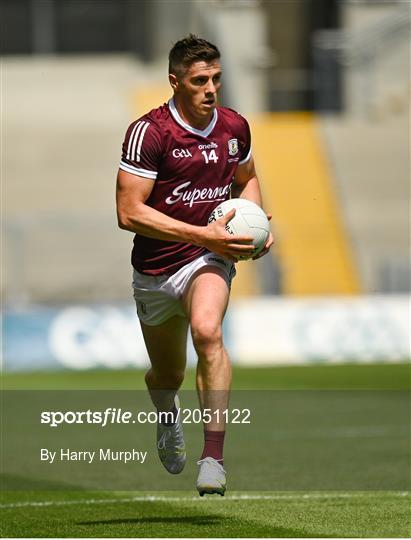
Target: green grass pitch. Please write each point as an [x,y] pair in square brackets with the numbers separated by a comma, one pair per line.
[308,513]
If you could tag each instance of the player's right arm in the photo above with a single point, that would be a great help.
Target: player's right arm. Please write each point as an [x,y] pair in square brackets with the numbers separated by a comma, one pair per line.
[135,216]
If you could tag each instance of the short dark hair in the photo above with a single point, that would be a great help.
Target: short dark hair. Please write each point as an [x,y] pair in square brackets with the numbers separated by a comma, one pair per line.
[189,50]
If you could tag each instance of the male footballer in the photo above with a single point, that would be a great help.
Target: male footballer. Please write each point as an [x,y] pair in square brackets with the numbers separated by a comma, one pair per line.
[178,163]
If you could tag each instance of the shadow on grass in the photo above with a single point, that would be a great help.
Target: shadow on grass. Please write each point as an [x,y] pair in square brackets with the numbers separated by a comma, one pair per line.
[250,529]
[192,520]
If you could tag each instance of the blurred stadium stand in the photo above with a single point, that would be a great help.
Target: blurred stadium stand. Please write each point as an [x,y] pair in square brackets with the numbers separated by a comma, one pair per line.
[74,74]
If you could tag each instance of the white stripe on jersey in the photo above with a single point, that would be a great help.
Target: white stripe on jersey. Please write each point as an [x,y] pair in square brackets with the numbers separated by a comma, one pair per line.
[141,141]
[135,139]
[130,142]
[247,157]
[137,171]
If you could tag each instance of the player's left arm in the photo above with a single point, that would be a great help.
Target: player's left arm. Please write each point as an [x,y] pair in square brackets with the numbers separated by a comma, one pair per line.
[247,186]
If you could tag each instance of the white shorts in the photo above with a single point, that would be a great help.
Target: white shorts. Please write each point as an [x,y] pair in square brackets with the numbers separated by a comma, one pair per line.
[159,297]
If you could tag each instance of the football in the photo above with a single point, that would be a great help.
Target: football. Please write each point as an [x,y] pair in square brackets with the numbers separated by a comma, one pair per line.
[249,220]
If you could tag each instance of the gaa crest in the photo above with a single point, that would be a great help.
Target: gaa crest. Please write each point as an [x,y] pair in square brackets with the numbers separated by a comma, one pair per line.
[232,147]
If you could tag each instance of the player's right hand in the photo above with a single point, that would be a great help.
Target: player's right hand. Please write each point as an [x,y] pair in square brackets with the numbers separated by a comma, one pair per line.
[218,240]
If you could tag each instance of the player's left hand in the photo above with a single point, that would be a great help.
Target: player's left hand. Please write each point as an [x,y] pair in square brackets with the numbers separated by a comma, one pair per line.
[268,244]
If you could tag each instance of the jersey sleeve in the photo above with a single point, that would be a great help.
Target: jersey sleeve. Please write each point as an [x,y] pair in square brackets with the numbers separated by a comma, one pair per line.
[244,141]
[141,149]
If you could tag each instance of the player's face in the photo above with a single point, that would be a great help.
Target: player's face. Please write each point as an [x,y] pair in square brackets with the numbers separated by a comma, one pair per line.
[197,89]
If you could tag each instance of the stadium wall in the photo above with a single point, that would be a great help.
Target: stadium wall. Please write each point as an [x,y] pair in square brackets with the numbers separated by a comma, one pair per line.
[261,331]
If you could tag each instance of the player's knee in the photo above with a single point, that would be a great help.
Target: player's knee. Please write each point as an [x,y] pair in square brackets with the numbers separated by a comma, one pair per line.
[164,380]
[176,378]
[207,335]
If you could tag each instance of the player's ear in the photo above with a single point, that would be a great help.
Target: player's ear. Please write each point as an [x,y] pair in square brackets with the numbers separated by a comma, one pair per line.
[173,81]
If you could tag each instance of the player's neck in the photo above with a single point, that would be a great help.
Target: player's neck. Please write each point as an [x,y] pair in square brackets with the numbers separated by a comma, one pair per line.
[190,118]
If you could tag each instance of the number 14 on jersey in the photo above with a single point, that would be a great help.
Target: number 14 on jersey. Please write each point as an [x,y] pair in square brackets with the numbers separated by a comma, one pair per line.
[211,156]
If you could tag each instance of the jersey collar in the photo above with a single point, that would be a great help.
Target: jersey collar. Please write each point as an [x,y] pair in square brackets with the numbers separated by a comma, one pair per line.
[203,132]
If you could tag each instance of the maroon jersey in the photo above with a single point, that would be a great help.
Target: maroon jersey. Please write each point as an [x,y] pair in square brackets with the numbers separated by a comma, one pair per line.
[192,171]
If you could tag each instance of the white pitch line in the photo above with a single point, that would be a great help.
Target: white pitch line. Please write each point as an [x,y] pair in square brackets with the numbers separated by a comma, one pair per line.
[160,498]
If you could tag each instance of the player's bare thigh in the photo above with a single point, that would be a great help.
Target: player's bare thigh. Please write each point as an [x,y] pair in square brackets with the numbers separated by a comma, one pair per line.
[205,301]
[166,346]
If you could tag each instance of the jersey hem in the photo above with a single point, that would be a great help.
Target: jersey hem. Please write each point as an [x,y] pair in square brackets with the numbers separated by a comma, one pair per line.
[172,269]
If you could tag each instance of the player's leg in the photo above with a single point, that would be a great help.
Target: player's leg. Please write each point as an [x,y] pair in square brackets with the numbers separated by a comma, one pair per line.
[206,300]
[166,347]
